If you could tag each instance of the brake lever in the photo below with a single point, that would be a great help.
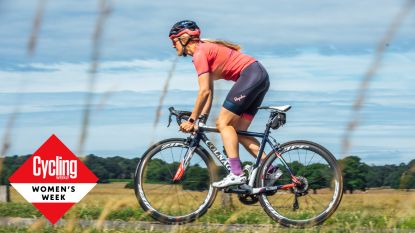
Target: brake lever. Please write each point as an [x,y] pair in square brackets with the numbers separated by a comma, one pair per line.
[169,119]
[178,119]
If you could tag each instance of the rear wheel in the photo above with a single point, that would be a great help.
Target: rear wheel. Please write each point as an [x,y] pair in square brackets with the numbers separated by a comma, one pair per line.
[174,202]
[318,190]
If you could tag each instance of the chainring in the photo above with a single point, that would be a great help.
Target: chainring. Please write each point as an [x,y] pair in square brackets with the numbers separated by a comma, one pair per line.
[248,199]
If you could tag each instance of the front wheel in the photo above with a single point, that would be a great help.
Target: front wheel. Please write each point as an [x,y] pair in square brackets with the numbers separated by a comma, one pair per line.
[174,201]
[318,185]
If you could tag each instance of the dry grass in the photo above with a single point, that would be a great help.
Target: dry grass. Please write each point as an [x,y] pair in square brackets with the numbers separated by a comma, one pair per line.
[372,210]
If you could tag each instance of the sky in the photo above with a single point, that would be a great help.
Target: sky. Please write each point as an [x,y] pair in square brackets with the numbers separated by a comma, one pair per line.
[316,53]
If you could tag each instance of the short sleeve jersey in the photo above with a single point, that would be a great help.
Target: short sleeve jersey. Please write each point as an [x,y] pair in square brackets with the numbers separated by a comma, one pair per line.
[216,58]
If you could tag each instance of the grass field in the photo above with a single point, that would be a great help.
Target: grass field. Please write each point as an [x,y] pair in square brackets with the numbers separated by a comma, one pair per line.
[373,210]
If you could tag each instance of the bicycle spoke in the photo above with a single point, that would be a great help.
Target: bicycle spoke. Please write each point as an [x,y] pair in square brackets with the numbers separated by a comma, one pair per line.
[178,199]
[289,201]
[317,201]
[194,198]
[305,160]
[162,203]
[315,181]
[290,196]
[168,168]
[164,178]
[310,159]
[158,187]
[200,160]
[171,152]
[312,206]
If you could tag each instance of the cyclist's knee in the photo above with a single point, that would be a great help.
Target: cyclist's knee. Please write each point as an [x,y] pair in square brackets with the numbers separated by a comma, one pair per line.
[221,124]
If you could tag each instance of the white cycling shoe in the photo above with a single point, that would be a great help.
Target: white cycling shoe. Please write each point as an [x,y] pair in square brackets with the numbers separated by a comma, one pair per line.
[229,180]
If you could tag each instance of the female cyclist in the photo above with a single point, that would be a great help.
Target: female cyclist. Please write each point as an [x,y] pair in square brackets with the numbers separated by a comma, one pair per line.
[215,60]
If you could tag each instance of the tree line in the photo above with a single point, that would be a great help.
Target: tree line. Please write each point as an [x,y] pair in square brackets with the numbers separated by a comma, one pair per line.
[360,176]
[357,175]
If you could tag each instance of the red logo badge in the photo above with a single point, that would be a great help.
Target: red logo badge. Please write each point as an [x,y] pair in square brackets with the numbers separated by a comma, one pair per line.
[53,179]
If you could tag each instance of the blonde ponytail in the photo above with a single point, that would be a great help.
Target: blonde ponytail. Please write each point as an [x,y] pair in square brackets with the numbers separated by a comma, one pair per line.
[224,43]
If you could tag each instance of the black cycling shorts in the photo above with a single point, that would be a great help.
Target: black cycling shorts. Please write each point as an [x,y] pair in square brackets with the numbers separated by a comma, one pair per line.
[249,90]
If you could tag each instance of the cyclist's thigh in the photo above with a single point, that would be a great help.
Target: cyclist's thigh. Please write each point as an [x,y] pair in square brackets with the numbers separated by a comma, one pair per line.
[228,117]
[243,124]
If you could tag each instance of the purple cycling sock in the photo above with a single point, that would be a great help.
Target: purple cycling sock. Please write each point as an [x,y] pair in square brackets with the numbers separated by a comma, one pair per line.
[271,168]
[235,166]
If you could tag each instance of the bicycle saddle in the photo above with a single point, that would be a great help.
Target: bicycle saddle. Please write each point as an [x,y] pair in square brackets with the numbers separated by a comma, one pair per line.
[283,108]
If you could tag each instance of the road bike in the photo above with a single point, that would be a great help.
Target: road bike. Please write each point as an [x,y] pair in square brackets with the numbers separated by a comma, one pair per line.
[298,184]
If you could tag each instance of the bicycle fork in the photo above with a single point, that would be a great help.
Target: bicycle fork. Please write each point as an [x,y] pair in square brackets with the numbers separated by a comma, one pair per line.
[194,141]
[183,164]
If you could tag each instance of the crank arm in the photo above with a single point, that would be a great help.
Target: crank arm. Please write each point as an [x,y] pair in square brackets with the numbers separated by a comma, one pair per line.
[241,189]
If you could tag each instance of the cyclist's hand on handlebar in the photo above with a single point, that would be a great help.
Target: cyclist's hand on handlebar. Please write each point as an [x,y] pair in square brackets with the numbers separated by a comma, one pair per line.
[187,127]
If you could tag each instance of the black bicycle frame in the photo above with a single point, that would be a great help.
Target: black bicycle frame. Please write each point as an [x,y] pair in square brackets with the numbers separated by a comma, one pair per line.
[201,136]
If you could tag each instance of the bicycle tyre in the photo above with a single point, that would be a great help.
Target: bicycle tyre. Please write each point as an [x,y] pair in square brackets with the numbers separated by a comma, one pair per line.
[157,212]
[297,220]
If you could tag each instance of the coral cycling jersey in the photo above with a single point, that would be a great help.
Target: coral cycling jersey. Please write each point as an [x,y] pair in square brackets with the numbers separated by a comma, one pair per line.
[220,61]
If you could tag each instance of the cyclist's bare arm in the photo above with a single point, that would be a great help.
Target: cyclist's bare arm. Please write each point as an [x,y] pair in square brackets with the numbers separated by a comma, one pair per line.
[204,97]
[208,104]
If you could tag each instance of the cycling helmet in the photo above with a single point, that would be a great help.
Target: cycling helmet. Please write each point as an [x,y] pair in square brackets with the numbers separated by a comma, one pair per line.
[184,26]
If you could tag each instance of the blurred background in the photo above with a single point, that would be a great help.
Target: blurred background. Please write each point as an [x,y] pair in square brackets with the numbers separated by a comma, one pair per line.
[315,52]
[101,74]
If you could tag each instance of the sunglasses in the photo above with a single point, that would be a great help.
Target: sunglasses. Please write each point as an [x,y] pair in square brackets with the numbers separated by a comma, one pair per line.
[174,41]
